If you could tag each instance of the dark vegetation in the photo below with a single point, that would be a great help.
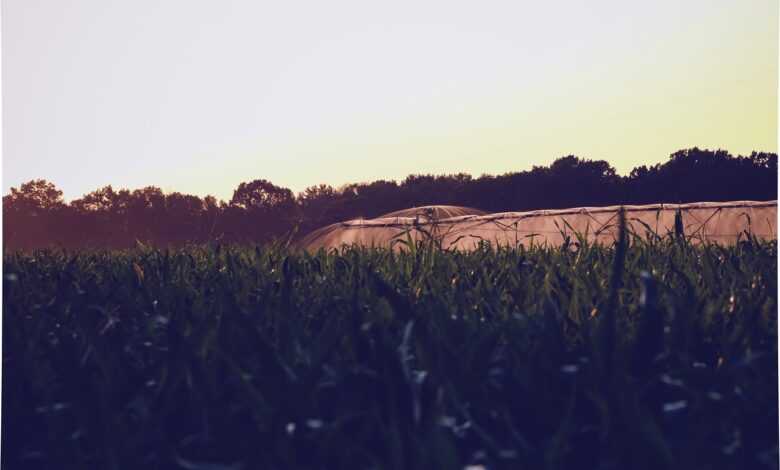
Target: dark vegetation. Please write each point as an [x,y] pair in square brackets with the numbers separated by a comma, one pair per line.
[642,355]
[36,216]
[196,341]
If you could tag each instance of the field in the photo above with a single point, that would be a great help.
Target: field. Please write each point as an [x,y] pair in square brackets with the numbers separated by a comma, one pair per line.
[639,355]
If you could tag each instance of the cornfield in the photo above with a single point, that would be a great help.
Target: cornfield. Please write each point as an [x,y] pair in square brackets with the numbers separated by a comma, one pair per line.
[643,354]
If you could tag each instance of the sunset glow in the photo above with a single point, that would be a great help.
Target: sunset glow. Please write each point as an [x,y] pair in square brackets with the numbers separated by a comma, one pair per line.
[198,97]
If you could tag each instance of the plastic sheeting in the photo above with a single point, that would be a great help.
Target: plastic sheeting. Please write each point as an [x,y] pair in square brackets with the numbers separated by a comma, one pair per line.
[434,212]
[717,222]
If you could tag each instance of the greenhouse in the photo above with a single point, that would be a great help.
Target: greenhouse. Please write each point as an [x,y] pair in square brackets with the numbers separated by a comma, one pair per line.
[462,228]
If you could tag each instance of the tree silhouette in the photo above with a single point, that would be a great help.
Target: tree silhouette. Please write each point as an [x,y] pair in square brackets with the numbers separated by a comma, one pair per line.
[319,206]
[36,195]
[262,194]
[259,211]
[33,214]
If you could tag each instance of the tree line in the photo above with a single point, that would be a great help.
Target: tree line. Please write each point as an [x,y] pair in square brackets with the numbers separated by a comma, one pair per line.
[35,214]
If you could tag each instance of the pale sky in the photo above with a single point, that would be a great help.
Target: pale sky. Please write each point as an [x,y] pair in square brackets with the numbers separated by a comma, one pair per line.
[198,96]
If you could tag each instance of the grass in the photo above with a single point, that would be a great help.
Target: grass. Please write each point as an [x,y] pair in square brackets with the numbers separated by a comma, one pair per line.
[639,355]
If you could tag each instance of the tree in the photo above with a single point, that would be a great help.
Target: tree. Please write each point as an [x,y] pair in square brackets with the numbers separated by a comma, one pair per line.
[316,195]
[319,206]
[260,211]
[35,195]
[98,200]
[183,217]
[571,181]
[33,215]
[36,216]
[262,194]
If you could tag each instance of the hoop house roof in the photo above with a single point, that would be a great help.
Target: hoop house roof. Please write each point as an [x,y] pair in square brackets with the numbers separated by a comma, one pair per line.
[719,222]
[434,212]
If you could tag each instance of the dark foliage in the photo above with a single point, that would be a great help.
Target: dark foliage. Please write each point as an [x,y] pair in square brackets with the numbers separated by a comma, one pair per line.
[36,216]
[644,355]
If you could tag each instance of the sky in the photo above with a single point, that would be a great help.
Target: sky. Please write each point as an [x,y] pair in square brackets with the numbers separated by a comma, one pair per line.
[197,96]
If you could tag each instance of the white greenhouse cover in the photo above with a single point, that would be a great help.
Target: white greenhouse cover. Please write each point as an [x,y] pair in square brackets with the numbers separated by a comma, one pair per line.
[434,212]
[717,222]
